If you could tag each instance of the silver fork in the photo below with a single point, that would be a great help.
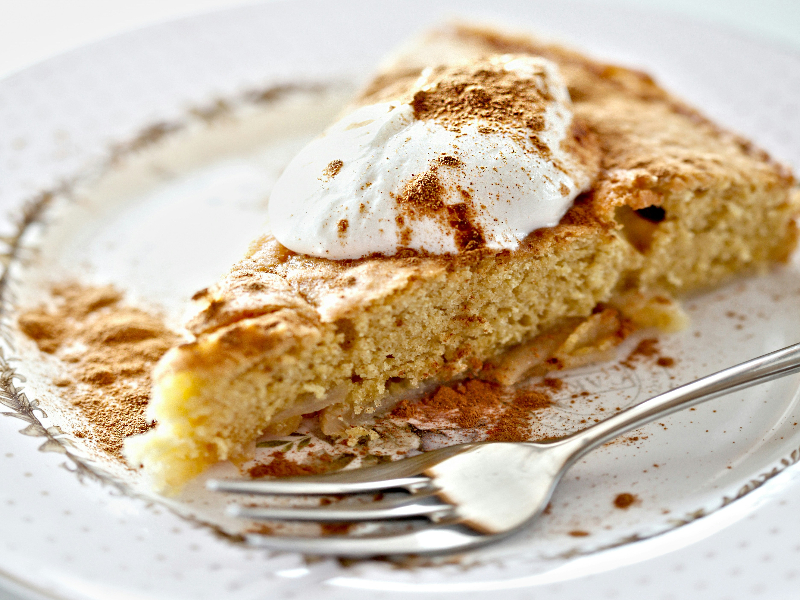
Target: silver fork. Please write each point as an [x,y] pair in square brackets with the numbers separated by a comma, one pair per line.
[471,494]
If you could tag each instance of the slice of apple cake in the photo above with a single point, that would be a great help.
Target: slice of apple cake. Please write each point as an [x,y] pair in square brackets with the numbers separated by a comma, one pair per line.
[432,277]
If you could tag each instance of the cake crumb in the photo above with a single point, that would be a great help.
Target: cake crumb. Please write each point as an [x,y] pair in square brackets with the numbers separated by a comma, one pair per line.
[354,435]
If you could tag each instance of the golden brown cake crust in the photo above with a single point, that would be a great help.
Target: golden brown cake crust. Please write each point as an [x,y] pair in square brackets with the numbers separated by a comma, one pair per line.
[272,278]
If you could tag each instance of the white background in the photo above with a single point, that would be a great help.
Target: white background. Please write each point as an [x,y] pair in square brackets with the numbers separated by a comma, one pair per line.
[33,30]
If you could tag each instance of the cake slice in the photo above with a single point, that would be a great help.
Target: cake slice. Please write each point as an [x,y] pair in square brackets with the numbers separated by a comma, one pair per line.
[676,204]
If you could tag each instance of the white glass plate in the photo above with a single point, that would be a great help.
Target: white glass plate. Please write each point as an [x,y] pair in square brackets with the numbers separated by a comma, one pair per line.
[169,218]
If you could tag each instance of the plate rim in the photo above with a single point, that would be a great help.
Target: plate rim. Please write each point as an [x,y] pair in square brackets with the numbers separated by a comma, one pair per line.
[3,276]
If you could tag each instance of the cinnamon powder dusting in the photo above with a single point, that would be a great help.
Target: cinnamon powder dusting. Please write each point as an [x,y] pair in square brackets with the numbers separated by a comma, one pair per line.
[423,197]
[336,528]
[466,405]
[315,463]
[484,91]
[502,102]
[515,423]
[648,349]
[332,169]
[624,500]
[108,351]
[280,466]
[506,414]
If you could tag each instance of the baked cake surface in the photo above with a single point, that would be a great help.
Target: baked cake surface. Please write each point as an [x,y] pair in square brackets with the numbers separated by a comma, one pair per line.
[677,204]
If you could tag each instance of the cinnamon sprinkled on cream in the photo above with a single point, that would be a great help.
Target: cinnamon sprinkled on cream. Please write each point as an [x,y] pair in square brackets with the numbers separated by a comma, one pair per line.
[496,97]
[333,168]
[423,198]
[472,155]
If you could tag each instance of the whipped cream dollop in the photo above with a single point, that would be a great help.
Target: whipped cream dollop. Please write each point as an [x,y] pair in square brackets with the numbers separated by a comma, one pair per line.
[473,156]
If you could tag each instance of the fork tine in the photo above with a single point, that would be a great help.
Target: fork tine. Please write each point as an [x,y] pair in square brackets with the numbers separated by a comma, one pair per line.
[430,540]
[394,508]
[314,486]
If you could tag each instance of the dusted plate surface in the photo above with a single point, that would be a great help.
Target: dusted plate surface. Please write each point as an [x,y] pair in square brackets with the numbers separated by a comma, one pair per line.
[67,533]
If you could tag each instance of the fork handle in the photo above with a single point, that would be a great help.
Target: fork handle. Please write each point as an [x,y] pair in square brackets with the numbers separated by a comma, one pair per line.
[758,370]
